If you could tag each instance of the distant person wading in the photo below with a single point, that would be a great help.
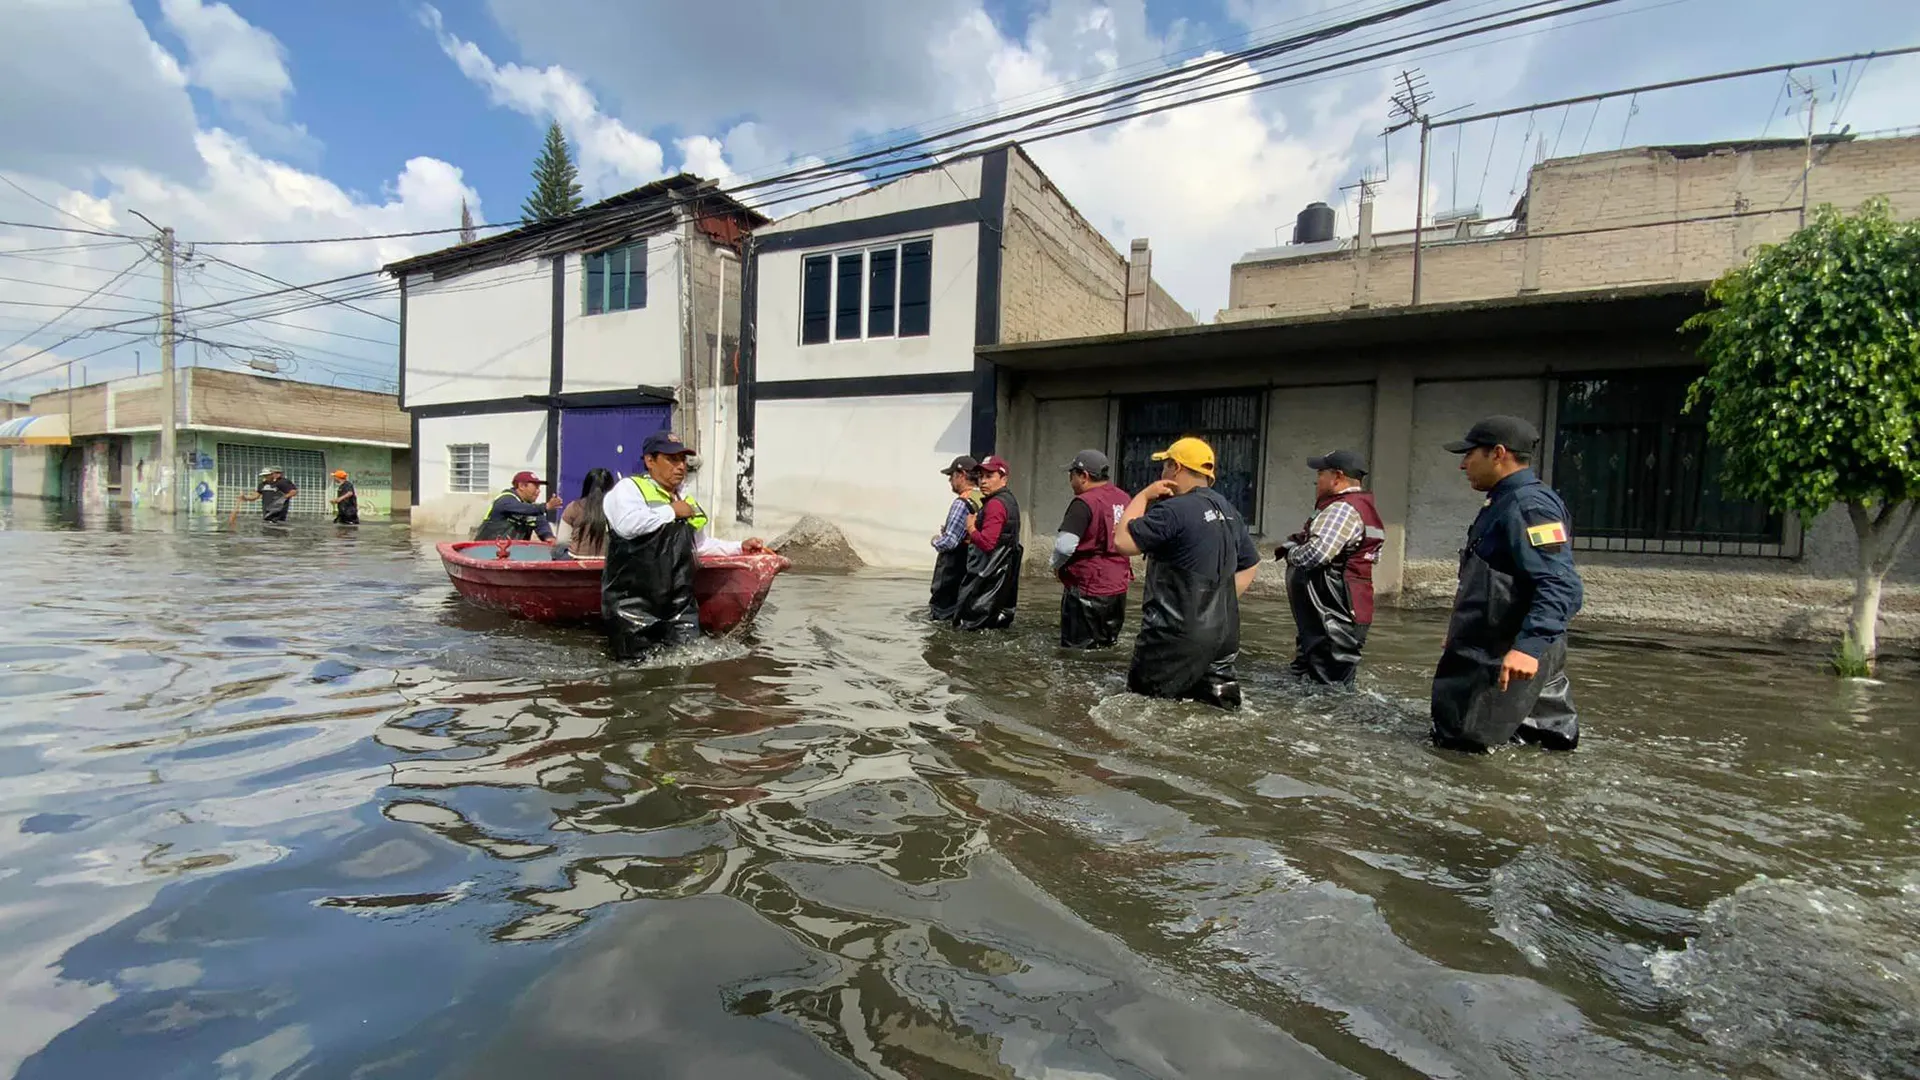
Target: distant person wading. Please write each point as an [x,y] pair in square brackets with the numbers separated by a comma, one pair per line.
[1330,572]
[1093,573]
[950,543]
[991,589]
[345,500]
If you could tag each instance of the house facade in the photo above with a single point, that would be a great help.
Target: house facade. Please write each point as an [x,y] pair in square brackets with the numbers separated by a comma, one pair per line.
[99,445]
[558,347]
[1586,345]
[861,376]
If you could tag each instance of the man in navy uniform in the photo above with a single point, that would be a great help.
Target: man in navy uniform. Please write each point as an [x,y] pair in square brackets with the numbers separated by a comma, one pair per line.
[1502,674]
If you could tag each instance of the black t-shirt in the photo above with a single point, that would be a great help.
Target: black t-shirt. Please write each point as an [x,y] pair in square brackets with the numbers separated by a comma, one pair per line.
[347,494]
[1078,520]
[1189,531]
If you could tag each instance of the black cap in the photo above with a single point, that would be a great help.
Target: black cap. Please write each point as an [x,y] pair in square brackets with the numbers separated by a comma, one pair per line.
[663,442]
[1092,462]
[1508,431]
[964,463]
[1345,461]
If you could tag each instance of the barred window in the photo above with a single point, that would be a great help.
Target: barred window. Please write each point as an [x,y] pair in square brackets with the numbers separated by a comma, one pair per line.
[467,468]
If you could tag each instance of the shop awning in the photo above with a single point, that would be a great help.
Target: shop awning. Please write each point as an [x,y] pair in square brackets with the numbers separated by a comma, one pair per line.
[50,430]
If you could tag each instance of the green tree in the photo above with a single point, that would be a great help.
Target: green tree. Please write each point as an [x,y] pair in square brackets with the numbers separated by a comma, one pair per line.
[1813,385]
[556,182]
[467,233]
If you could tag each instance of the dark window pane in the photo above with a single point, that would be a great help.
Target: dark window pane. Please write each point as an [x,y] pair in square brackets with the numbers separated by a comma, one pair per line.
[816,289]
[880,271]
[916,287]
[1632,464]
[637,276]
[846,303]
[617,280]
[596,284]
[1230,423]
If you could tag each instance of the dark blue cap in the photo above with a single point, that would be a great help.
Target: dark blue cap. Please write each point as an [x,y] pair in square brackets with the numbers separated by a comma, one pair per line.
[664,442]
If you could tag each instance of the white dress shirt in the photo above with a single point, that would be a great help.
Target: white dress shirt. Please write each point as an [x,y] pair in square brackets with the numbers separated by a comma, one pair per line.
[630,515]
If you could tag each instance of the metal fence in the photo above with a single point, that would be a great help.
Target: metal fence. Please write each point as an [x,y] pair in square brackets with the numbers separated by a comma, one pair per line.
[238,466]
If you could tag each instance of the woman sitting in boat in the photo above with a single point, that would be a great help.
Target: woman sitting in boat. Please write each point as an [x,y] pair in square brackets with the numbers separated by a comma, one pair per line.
[654,534]
[585,519]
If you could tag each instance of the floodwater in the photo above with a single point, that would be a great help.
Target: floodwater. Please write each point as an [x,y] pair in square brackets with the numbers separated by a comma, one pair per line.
[281,805]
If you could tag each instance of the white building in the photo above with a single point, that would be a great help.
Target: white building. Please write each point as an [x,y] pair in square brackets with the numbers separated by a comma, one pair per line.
[859,379]
[559,346]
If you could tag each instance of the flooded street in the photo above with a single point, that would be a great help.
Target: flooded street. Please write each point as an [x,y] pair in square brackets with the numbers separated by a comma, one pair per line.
[282,805]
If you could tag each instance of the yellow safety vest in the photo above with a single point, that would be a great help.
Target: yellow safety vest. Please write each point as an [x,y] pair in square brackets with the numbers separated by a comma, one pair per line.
[655,495]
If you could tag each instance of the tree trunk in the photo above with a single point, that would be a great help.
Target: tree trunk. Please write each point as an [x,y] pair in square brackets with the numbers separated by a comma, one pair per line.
[1881,536]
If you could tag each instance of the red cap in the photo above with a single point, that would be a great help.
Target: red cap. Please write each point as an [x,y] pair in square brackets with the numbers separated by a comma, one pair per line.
[995,463]
[526,478]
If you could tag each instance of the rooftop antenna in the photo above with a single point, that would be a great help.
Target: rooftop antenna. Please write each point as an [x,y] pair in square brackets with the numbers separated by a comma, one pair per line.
[1410,97]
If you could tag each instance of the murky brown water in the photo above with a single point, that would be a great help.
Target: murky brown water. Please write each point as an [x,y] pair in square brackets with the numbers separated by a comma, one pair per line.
[276,806]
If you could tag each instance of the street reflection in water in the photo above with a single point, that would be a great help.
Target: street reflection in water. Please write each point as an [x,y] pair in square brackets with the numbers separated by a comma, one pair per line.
[282,805]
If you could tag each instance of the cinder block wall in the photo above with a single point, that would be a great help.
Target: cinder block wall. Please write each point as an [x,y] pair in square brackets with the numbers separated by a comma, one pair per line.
[1602,220]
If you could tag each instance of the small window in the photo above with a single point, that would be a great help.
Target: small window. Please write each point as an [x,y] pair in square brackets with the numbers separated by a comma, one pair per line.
[916,287]
[616,280]
[881,281]
[847,300]
[467,468]
[816,298]
[880,292]
[1231,423]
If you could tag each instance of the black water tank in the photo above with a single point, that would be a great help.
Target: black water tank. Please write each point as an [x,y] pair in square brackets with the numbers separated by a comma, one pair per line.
[1314,224]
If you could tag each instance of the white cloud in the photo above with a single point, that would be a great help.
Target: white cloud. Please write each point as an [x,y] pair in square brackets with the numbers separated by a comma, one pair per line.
[207,183]
[610,156]
[228,56]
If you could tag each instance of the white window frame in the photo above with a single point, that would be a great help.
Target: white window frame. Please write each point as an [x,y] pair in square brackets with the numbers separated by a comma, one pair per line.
[478,473]
[833,257]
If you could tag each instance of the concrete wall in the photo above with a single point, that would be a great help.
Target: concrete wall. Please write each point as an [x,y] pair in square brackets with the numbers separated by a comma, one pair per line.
[481,335]
[1619,218]
[953,182]
[1401,422]
[615,350]
[371,469]
[515,441]
[1303,423]
[1063,428]
[870,465]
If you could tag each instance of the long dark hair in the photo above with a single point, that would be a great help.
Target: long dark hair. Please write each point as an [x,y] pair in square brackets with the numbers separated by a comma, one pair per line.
[592,530]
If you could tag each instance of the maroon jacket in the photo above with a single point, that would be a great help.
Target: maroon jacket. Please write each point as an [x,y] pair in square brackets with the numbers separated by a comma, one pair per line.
[1355,565]
[1097,568]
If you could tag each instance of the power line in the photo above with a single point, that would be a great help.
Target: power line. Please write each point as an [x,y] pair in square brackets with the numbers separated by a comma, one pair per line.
[69,310]
[65,229]
[278,281]
[43,202]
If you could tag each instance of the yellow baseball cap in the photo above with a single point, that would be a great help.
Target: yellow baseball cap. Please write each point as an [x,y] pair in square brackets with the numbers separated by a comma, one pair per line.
[1189,453]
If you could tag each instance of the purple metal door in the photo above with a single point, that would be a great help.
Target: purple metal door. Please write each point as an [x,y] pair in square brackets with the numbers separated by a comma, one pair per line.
[606,438]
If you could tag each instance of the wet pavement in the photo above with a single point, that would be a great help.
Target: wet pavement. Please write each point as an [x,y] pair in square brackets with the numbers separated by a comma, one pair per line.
[277,805]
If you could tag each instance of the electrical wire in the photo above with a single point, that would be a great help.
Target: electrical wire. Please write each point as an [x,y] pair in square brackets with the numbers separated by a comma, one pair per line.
[70,310]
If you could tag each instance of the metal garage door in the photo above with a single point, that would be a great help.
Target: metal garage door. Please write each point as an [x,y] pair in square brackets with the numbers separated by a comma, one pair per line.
[239,464]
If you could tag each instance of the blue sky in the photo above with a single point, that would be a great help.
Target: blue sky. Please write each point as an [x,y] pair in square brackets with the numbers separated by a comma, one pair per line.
[263,119]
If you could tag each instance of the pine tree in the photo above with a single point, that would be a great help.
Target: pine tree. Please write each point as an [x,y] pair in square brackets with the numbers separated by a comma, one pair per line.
[467,234]
[556,182]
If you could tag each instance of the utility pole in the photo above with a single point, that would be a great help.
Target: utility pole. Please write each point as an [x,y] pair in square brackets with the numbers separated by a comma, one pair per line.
[1806,171]
[166,499]
[1409,103]
[169,445]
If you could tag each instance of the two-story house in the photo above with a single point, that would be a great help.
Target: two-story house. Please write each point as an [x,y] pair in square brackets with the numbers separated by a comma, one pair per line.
[559,346]
[859,376]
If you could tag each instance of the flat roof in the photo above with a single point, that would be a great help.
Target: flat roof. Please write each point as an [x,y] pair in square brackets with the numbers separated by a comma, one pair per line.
[1664,305]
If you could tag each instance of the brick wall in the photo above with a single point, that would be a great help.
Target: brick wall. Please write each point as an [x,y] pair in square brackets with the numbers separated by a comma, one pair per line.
[230,399]
[1602,220]
[1059,277]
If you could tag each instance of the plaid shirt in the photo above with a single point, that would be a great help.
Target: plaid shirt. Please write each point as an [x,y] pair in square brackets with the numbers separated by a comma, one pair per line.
[1333,530]
[954,532]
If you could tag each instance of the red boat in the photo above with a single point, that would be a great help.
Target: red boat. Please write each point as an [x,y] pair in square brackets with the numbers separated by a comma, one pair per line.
[521,576]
